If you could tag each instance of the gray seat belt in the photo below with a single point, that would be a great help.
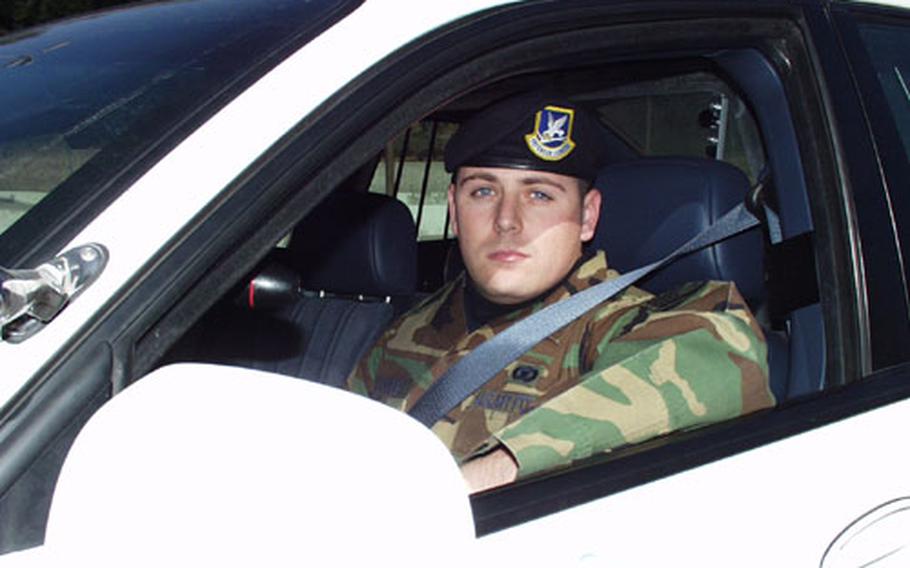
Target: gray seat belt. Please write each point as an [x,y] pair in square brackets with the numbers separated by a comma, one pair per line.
[490,357]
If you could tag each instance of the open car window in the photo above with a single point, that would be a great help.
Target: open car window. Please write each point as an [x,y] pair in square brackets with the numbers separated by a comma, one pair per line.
[694,107]
[704,105]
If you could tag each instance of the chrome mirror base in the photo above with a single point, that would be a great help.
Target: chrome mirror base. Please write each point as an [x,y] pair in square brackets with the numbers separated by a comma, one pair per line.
[30,298]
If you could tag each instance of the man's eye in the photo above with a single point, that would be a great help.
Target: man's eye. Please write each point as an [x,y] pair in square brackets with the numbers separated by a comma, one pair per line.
[482,192]
[541,195]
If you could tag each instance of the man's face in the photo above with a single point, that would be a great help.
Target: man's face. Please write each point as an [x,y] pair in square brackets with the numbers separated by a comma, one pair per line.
[520,231]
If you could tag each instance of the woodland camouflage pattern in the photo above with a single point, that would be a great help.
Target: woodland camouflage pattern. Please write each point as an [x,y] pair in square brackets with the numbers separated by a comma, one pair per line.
[635,367]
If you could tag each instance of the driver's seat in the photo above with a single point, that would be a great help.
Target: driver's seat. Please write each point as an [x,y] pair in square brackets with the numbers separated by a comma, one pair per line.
[652,205]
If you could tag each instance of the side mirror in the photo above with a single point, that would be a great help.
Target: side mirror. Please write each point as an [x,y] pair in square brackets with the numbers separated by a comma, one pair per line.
[204,465]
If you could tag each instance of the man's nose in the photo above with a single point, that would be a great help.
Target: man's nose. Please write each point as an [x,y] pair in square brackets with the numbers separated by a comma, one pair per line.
[508,215]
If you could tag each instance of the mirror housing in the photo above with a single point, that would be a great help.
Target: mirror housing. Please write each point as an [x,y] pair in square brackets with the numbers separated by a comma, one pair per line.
[205,465]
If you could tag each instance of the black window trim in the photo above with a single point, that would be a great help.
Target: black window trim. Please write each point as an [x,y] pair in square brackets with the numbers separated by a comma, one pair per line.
[870,227]
[893,168]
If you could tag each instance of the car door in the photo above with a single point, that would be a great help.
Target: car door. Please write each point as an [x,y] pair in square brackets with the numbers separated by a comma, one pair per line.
[159,182]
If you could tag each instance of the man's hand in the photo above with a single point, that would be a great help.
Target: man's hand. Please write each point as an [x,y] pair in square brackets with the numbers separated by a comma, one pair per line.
[490,470]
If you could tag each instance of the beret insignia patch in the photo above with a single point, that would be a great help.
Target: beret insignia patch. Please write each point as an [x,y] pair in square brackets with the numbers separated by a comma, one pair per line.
[551,139]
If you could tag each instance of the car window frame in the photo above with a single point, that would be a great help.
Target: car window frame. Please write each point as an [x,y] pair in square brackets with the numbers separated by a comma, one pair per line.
[886,335]
[515,500]
[891,157]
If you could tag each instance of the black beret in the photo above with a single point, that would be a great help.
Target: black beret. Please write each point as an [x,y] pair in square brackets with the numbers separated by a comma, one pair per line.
[533,132]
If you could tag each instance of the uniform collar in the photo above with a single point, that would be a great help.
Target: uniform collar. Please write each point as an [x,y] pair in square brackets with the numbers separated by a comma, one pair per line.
[589,270]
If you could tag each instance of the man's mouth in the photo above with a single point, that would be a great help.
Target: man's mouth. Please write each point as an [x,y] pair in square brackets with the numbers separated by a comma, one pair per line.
[507,255]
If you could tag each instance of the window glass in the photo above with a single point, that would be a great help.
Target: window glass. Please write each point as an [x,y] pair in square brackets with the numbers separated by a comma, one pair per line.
[694,114]
[18,14]
[889,50]
[84,98]
[412,170]
[691,115]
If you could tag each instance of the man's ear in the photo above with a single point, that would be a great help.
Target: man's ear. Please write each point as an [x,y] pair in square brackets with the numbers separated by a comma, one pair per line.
[590,214]
[453,218]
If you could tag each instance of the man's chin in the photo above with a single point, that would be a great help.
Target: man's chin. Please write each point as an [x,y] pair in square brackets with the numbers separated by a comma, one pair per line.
[510,293]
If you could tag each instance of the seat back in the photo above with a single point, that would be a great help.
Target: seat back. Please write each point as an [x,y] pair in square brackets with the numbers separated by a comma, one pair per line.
[357,244]
[650,206]
[354,256]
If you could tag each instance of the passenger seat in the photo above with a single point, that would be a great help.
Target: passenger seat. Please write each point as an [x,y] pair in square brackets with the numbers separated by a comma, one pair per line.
[315,308]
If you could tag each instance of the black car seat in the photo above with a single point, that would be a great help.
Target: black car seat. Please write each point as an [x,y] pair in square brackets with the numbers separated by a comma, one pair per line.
[313,309]
[652,205]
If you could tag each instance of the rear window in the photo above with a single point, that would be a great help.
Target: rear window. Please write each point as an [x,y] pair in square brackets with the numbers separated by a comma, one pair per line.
[692,114]
[695,114]
[412,170]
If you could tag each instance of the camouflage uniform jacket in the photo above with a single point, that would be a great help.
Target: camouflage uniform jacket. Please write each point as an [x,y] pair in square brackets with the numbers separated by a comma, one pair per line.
[633,368]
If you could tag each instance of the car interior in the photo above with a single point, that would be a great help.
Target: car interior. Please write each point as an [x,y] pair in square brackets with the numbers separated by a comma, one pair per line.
[688,140]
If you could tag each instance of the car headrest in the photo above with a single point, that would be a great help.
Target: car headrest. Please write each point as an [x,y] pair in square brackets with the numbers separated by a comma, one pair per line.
[651,206]
[273,287]
[358,244]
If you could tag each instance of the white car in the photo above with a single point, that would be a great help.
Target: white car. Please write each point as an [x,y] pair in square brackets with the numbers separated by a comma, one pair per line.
[225,201]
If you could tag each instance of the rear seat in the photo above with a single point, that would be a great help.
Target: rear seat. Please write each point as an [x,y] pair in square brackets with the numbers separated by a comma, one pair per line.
[351,266]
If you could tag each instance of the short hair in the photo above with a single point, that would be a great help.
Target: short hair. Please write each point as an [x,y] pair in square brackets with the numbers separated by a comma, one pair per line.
[584,186]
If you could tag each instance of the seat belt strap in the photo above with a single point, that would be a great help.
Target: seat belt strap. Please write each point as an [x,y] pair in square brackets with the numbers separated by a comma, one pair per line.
[490,357]
[775,234]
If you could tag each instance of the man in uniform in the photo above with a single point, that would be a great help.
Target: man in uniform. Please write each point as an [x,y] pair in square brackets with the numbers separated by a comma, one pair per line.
[634,367]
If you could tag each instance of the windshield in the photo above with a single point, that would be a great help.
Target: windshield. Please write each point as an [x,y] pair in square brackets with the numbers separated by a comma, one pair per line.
[86,102]
[898,3]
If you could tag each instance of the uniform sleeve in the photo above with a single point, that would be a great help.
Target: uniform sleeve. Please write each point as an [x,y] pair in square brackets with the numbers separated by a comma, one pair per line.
[382,376]
[675,370]
[361,376]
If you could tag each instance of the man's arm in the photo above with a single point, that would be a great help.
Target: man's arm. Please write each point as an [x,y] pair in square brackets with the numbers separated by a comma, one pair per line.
[675,370]
[490,470]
